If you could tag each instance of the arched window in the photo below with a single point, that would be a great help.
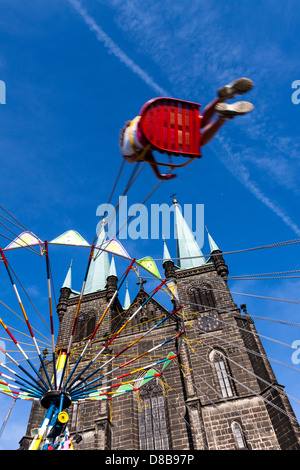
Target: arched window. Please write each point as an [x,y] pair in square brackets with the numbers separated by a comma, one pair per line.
[85,326]
[219,363]
[239,435]
[153,432]
[203,297]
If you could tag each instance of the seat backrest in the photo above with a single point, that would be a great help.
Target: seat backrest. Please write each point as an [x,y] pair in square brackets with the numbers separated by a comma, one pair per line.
[172,126]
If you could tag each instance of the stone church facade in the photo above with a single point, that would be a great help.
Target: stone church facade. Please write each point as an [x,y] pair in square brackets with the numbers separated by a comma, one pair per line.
[219,393]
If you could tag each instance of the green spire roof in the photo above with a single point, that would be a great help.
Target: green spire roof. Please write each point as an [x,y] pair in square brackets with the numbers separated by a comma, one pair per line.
[99,267]
[188,251]
[112,270]
[68,280]
[212,245]
[166,255]
[127,301]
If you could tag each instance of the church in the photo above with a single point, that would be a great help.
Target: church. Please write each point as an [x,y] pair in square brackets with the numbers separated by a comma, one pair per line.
[216,391]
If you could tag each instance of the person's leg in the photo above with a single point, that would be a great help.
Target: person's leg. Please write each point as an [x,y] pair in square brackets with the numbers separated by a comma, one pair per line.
[237,87]
[225,111]
[209,111]
[211,129]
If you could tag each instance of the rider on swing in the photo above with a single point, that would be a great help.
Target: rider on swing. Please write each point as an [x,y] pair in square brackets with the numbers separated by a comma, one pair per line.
[132,142]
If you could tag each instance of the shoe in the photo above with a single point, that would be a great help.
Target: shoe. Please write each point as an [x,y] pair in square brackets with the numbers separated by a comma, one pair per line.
[229,111]
[238,87]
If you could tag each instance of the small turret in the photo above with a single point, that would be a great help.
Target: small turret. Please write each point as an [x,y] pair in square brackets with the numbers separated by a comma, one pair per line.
[65,292]
[112,280]
[221,267]
[168,264]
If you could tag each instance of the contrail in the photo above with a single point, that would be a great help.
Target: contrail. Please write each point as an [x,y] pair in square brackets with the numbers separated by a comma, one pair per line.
[242,174]
[114,48]
[271,205]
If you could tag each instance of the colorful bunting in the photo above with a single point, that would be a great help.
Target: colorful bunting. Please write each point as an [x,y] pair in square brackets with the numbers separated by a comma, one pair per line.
[71,237]
[115,247]
[150,266]
[149,376]
[25,239]
[171,356]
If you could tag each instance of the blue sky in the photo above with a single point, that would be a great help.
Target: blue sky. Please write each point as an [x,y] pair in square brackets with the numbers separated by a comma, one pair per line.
[76,71]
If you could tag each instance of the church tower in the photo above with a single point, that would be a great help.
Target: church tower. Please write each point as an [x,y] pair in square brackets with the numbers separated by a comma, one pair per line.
[218,391]
[234,399]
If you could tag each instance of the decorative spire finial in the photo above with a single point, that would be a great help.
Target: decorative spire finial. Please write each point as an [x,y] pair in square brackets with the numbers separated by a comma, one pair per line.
[174,200]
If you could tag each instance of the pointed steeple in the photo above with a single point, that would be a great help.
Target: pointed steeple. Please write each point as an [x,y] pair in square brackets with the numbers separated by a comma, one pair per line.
[166,255]
[68,279]
[168,264]
[127,301]
[112,270]
[212,245]
[188,252]
[99,267]
[65,293]
[217,258]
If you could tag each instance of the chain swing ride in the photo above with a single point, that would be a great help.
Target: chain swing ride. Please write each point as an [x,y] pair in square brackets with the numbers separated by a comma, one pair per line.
[171,127]
[53,385]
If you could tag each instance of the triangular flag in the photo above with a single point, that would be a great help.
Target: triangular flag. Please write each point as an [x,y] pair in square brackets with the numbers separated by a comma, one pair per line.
[115,247]
[120,390]
[71,237]
[149,264]
[171,355]
[152,373]
[25,239]
[149,376]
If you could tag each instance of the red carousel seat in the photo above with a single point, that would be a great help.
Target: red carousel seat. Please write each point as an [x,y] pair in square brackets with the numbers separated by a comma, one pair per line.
[172,126]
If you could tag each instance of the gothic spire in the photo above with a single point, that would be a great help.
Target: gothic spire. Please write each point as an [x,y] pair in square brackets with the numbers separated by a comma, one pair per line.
[127,301]
[166,255]
[188,252]
[212,245]
[112,270]
[217,257]
[68,279]
[99,267]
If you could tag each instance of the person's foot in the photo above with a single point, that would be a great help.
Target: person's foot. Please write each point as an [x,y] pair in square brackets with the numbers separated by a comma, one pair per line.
[229,111]
[238,87]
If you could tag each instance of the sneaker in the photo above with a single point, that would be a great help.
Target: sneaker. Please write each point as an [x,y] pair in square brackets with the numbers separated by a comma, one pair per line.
[229,111]
[238,87]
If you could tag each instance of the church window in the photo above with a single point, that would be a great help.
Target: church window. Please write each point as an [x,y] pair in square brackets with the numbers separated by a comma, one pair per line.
[238,435]
[153,431]
[85,325]
[220,366]
[203,297]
